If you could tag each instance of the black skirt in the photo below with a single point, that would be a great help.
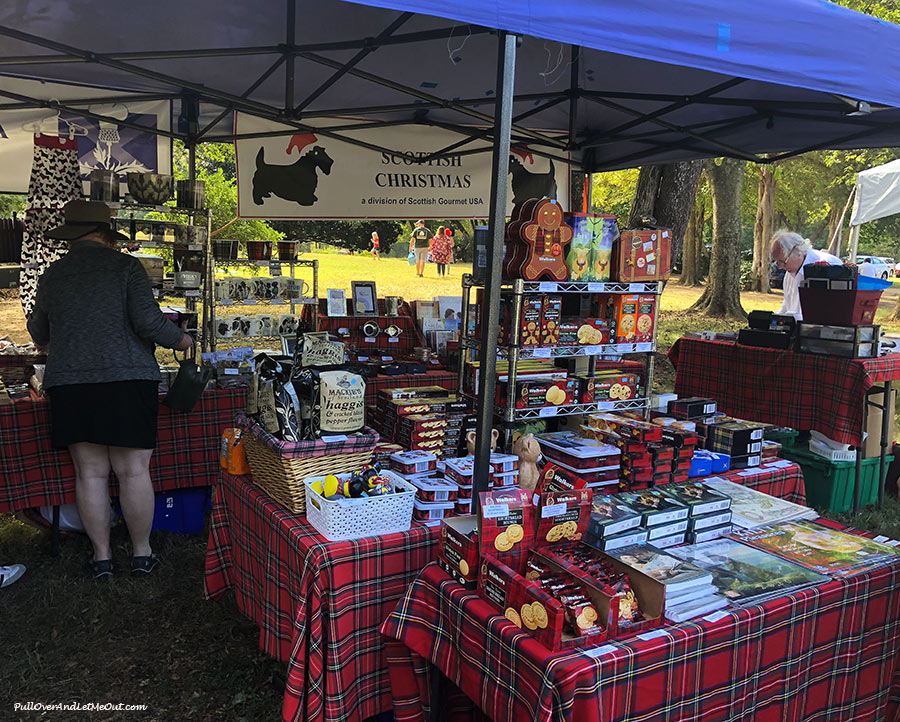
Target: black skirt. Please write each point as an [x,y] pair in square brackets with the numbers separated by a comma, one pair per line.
[118,413]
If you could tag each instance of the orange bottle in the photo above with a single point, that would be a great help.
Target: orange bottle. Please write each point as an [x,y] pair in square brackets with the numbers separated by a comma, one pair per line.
[232,456]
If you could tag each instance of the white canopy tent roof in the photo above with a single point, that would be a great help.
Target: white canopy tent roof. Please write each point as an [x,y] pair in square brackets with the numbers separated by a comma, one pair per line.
[876,195]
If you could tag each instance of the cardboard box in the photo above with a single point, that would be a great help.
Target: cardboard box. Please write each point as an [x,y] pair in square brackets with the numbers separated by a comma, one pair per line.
[456,575]
[591,248]
[551,317]
[692,407]
[459,546]
[506,523]
[562,516]
[594,332]
[617,541]
[531,325]
[537,394]
[626,309]
[646,319]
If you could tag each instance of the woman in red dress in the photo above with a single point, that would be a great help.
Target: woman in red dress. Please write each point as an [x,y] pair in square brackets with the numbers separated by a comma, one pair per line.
[442,251]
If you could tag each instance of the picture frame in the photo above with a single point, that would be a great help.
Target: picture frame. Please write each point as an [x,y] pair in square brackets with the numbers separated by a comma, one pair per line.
[288,345]
[337,302]
[365,298]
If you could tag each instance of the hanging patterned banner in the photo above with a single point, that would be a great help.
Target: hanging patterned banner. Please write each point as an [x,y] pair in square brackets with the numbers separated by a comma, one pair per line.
[310,175]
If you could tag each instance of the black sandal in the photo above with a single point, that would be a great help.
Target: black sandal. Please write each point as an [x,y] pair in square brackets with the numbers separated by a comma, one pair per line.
[101,570]
[144,566]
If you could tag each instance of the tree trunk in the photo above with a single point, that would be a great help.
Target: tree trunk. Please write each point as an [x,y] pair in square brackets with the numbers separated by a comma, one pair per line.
[763,229]
[677,191]
[722,296]
[693,241]
[645,193]
[664,196]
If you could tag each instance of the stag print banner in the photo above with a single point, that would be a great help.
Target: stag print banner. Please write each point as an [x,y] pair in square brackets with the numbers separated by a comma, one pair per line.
[314,176]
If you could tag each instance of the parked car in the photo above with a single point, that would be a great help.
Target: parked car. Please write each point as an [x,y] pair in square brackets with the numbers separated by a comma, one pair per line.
[874,266]
[776,276]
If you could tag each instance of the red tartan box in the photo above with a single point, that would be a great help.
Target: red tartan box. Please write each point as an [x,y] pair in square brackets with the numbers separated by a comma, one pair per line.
[532,609]
[459,548]
[625,427]
[650,593]
[506,523]
[562,516]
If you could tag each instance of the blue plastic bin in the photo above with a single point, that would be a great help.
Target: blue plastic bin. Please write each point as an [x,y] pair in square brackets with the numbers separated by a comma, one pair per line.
[182,511]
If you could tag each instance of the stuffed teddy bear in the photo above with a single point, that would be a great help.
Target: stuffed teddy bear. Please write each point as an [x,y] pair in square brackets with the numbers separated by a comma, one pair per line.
[528,450]
[470,441]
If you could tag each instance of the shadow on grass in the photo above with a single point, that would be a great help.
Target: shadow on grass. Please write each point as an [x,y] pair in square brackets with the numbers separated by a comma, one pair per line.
[148,641]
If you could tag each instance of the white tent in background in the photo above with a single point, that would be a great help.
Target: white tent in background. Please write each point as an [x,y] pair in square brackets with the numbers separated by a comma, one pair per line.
[876,195]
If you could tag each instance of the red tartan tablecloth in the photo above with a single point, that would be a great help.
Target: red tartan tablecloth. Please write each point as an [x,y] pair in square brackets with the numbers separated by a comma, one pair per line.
[803,391]
[823,653]
[36,474]
[318,604]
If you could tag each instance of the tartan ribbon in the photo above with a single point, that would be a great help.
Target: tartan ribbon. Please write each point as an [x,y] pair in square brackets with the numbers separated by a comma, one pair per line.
[803,391]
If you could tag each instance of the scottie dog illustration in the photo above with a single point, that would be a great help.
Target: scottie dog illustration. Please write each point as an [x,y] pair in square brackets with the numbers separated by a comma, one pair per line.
[295,182]
[527,185]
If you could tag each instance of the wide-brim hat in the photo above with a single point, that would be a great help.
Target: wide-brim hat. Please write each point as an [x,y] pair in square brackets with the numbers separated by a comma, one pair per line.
[82,218]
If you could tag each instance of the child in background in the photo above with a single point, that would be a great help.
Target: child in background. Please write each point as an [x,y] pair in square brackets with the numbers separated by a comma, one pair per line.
[376,245]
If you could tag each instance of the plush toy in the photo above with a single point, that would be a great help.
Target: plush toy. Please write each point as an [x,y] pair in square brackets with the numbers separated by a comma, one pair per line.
[470,441]
[528,450]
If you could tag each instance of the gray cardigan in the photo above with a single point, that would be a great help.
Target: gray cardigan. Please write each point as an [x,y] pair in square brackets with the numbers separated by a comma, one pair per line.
[95,308]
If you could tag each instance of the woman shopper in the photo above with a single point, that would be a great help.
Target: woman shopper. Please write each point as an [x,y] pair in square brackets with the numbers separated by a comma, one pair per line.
[95,309]
[442,250]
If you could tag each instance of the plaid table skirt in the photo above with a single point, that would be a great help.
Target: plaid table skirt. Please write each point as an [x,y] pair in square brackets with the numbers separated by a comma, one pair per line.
[187,451]
[318,604]
[803,391]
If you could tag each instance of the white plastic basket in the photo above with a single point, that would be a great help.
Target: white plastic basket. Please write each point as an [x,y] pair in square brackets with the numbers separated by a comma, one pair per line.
[340,519]
[831,454]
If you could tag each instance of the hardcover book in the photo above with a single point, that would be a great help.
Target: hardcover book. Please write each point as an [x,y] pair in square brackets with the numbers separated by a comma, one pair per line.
[610,516]
[654,506]
[819,548]
[751,508]
[675,573]
[698,497]
[745,574]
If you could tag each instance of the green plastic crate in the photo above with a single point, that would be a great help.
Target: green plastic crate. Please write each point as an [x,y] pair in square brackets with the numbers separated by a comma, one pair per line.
[783,435]
[829,484]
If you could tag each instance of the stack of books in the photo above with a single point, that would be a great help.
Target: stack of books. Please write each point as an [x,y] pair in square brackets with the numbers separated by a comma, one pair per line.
[744,574]
[751,508]
[820,548]
[690,591]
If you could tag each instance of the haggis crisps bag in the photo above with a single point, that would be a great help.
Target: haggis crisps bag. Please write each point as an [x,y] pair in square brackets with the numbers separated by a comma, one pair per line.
[339,406]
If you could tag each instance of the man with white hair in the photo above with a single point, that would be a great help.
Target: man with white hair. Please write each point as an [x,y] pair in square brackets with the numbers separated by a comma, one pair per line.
[792,252]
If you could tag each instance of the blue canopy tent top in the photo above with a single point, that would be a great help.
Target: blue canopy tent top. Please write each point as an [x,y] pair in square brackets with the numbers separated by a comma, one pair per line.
[626,83]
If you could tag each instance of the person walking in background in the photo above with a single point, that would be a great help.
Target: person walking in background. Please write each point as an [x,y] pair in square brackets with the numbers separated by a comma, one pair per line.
[442,250]
[376,246]
[419,244]
[95,309]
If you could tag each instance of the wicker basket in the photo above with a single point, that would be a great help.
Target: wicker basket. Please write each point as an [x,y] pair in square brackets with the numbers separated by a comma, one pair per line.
[280,468]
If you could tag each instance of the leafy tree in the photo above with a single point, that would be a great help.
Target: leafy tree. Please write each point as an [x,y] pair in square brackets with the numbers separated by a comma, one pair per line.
[355,235]
[11,203]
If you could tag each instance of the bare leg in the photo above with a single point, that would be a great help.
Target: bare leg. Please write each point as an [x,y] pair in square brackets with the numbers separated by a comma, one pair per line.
[132,468]
[92,493]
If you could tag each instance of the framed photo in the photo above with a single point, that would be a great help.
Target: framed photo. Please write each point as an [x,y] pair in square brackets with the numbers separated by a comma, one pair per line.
[365,299]
[337,302]
[288,345]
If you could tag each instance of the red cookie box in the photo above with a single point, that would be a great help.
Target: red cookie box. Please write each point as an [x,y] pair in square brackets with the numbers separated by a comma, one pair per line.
[413,462]
[585,388]
[464,493]
[503,463]
[625,427]
[432,511]
[615,388]
[434,488]
[510,478]
[455,574]
[568,333]
[590,332]
[650,593]
[530,327]
[431,405]
[506,523]
[551,316]
[646,319]
[537,394]
[565,449]
[562,516]
[424,422]
[460,470]
[525,604]
[463,507]
[555,477]
[459,546]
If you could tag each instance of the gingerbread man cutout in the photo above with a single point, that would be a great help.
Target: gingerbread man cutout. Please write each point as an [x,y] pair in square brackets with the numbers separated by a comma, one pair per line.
[546,236]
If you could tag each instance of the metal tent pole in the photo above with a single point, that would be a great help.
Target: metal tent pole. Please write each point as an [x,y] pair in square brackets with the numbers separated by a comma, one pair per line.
[506,66]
